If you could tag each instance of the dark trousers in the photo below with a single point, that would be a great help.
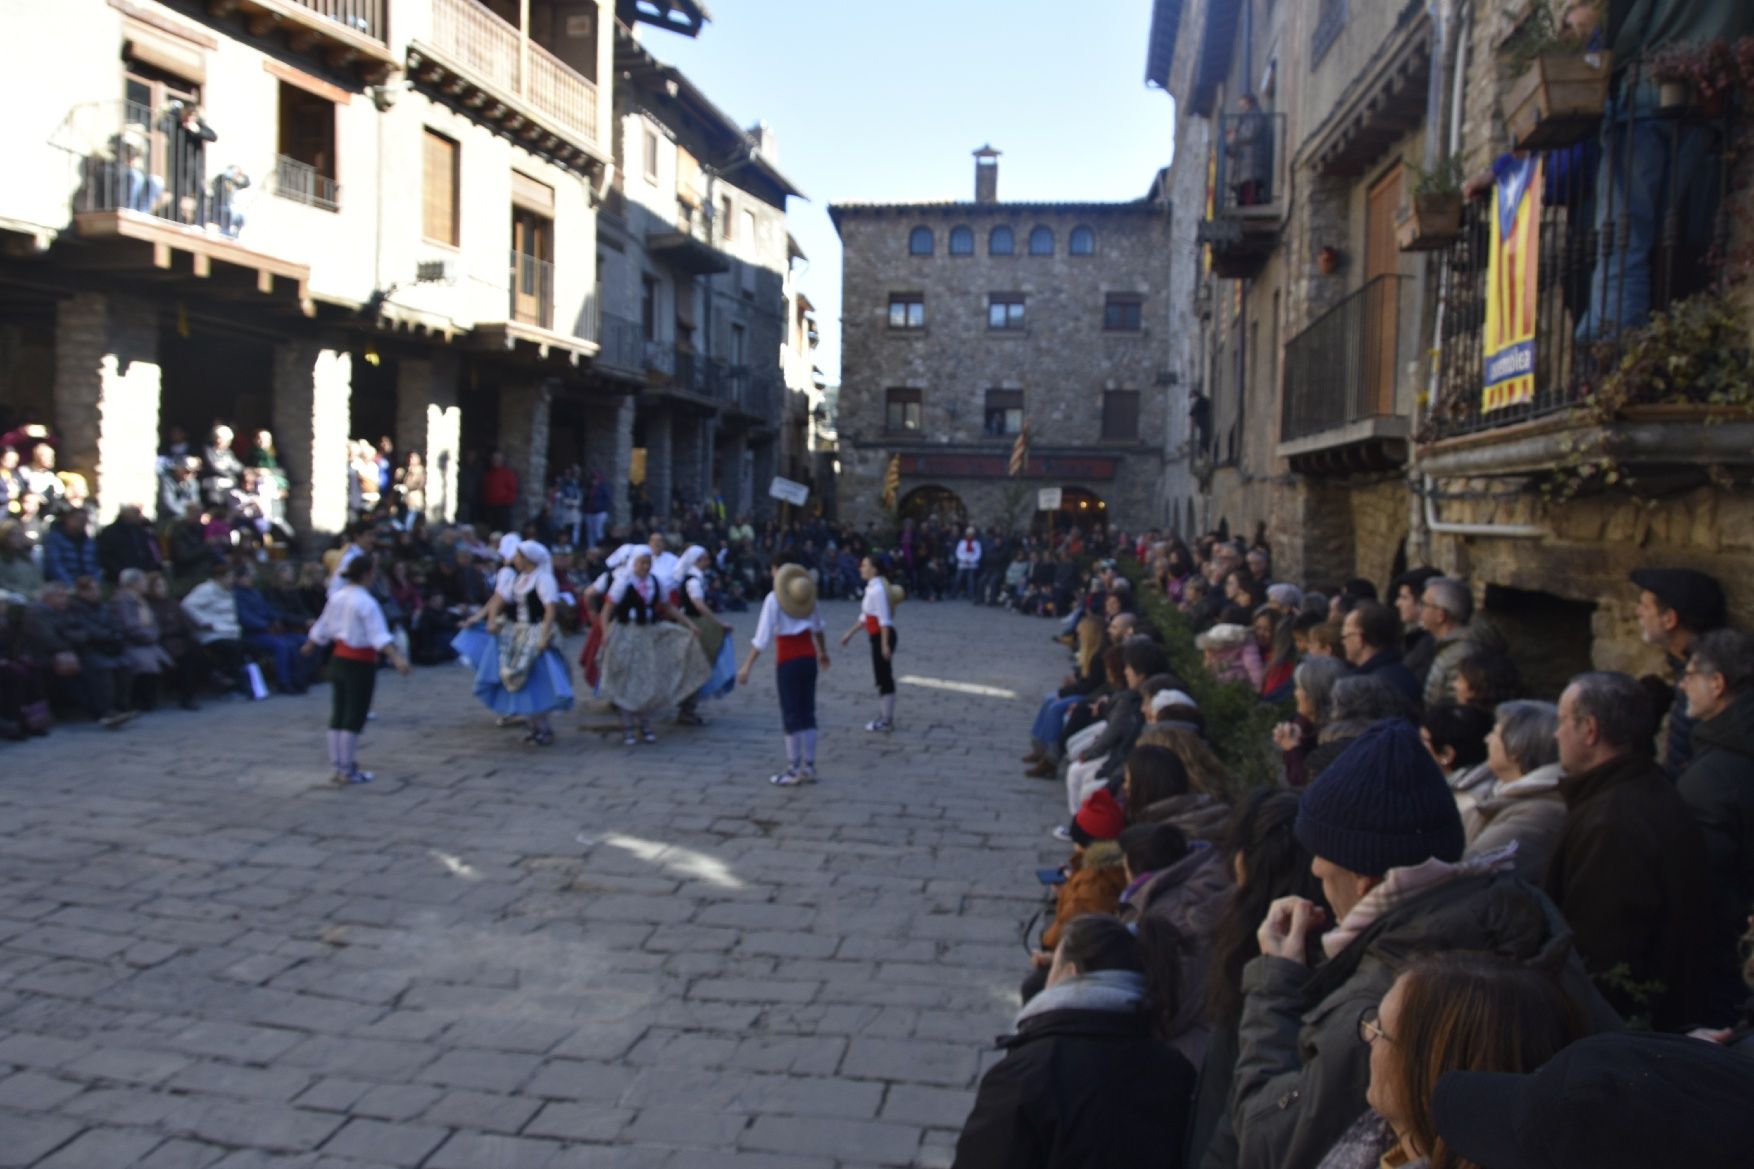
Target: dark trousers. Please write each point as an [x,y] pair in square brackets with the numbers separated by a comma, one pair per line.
[226,656]
[350,693]
[796,682]
[292,670]
[882,667]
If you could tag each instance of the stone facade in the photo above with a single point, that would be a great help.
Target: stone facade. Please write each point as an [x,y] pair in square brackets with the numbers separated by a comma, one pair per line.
[107,394]
[313,389]
[1062,361]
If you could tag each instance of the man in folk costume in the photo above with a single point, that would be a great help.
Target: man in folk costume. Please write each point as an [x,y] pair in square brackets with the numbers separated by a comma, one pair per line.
[877,619]
[353,622]
[791,622]
[648,663]
[714,640]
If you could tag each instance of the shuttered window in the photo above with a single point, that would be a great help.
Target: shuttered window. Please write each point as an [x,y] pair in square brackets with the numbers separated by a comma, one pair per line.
[1120,415]
[439,190]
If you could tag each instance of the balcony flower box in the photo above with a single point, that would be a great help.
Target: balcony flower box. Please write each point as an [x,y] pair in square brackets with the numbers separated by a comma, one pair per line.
[1558,101]
[1430,223]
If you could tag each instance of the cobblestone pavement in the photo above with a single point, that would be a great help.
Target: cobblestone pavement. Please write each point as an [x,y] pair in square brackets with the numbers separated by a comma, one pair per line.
[497,956]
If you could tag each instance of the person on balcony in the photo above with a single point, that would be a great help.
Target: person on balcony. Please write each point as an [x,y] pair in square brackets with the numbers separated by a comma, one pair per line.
[225,201]
[143,189]
[189,135]
[1249,144]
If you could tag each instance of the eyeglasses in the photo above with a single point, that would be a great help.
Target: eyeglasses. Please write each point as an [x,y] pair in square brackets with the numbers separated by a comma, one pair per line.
[1370,1027]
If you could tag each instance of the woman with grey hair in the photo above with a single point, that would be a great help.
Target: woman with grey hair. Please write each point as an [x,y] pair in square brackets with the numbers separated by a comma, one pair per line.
[1313,681]
[1524,805]
[1358,702]
[146,658]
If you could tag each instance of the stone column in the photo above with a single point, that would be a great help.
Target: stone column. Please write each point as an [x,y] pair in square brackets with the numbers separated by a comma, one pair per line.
[731,478]
[766,467]
[659,461]
[609,449]
[523,438]
[107,397]
[429,420]
[313,398]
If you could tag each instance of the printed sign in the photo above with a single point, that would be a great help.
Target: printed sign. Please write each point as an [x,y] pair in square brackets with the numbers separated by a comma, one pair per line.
[1048,499]
[1511,290]
[793,493]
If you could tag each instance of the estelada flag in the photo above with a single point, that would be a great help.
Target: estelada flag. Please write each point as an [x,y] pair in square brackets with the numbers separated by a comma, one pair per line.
[1512,274]
[1020,452]
[892,482]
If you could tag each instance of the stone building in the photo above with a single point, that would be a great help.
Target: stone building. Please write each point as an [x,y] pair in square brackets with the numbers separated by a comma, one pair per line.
[1338,378]
[963,321]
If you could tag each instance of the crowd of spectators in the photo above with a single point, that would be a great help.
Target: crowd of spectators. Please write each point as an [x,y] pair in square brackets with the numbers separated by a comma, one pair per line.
[1459,924]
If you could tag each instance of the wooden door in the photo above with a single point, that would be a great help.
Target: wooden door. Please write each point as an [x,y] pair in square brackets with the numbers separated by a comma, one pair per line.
[1382,257]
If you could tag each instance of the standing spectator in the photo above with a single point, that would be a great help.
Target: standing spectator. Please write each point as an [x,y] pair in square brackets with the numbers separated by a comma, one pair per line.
[968,563]
[128,543]
[569,505]
[1718,785]
[1629,868]
[189,135]
[178,489]
[1676,606]
[1371,639]
[411,480]
[1388,844]
[1419,647]
[1447,612]
[221,470]
[213,611]
[11,483]
[190,555]
[1522,804]
[1248,145]
[597,506]
[499,493]
[69,552]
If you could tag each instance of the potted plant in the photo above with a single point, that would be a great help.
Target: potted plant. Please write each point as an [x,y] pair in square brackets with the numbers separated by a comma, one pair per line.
[1432,218]
[1690,74]
[1561,85]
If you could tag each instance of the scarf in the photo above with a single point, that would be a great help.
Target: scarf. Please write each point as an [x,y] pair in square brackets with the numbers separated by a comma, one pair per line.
[1117,991]
[1403,884]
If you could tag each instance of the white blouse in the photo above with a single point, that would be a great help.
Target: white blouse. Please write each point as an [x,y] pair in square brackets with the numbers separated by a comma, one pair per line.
[876,602]
[354,616]
[646,588]
[776,621]
[511,585]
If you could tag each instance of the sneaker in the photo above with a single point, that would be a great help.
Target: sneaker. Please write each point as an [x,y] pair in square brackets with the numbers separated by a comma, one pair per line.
[880,725]
[353,775]
[1061,832]
[793,776]
[630,739]
[807,773]
[647,735]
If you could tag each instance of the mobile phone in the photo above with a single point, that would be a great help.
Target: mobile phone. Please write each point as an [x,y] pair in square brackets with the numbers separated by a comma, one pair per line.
[1051,876]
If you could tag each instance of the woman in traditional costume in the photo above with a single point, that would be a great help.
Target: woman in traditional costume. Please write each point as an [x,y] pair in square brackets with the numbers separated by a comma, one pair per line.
[596,608]
[471,643]
[519,673]
[715,636]
[649,664]
[877,619]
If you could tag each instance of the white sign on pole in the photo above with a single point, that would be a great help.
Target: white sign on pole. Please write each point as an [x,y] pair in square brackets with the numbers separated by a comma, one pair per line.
[1048,499]
[785,489]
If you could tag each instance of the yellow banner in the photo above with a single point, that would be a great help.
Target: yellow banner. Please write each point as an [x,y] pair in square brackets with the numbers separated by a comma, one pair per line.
[1512,274]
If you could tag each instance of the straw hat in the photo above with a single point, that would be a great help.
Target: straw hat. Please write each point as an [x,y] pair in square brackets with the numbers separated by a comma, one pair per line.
[897,594]
[795,591]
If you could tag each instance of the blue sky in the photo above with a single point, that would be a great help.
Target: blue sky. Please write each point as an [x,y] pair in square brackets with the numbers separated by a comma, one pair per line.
[888,102]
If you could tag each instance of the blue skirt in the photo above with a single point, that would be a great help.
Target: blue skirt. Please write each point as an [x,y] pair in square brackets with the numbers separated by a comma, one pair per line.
[724,675]
[549,686]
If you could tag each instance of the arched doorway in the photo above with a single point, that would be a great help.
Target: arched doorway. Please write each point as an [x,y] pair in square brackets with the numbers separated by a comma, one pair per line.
[1079,508]
[933,502]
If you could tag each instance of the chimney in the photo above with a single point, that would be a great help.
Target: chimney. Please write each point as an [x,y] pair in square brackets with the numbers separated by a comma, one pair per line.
[765,142]
[986,175]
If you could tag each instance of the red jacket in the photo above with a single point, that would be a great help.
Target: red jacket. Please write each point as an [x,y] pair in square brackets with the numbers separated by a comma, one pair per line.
[499,487]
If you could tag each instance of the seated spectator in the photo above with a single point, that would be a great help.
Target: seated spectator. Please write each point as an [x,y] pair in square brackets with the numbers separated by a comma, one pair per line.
[146,657]
[1447,1012]
[1617,1101]
[1232,655]
[1184,885]
[1371,637]
[128,543]
[1273,637]
[176,636]
[1388,845]
[1105,756]
[213,612]
[278,634]
[1456,737]
[1487,679]
[1718,784]
[1358,704]
[1447,612]
[69,552]
[287,598]
[1095,876]
[190,555]
[1522,804]
[313,588]
[1163,787]
[82,656]
[19,574]
[24,706]
[1629,869]
[1086,1078]
[1313,693]
[1263,855]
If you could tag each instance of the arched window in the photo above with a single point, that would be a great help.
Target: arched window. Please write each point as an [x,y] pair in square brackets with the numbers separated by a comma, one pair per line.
[1041,241]
[1000,242]
[919,242]
[1083,242]
[961,241]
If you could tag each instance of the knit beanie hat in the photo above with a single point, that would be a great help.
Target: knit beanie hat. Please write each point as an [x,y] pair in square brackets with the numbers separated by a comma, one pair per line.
[1100,818]
[1383,804]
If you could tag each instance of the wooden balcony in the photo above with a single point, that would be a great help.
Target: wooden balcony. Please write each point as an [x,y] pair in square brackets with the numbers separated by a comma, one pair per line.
[346,34]
[502,77]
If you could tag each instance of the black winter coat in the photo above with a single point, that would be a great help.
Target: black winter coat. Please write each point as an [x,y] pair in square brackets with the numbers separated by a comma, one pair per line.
[1718,788]
[1080,1090]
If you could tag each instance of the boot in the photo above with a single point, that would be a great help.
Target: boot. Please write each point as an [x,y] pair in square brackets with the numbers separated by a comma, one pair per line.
[1046,769]
[1034,755]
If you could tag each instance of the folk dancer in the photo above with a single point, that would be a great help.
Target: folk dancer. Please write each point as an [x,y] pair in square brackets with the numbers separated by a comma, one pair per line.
[519,672]
[790,621]
[877,619]
[352,621]
[649,664]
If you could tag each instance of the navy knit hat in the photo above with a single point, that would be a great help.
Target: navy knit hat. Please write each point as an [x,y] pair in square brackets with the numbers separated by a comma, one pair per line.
[1383,804]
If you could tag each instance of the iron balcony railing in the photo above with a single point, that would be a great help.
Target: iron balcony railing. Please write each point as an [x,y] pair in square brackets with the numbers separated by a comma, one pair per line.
[1601,271]
[1251,165]
[134,158]
[302,183]
[1341,369]
[532,290]
[365,17]
[623,347]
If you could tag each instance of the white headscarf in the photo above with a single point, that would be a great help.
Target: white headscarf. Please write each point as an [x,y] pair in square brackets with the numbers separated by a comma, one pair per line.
[691,558]
[541,565]
[508,546]
[620,556]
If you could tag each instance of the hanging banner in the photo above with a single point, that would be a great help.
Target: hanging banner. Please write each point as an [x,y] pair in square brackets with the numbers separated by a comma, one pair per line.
[1512,272]
[1048,499]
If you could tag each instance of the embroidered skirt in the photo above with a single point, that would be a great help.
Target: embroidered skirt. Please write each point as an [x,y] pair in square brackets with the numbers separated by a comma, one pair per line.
[547,687]
[647,668]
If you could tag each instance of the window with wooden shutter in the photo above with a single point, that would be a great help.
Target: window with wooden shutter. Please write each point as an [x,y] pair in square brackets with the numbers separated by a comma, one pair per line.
[1120,415]
[439,190]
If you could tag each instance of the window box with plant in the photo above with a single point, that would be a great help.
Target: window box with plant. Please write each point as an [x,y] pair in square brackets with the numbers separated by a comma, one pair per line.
[1432,218]
[1701,76]
[1561,86]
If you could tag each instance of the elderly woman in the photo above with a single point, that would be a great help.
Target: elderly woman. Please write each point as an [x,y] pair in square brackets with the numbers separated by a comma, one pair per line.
[1358,701]
[1523,803]
[176,636]
[146,657]
[1313,683]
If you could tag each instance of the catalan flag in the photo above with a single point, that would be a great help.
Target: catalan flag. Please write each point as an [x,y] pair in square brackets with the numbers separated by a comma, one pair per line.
[892,482]
[1020,452]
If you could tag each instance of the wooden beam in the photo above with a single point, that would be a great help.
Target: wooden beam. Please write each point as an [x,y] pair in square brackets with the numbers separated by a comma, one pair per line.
[201,264]
[161,256]
[264,281]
